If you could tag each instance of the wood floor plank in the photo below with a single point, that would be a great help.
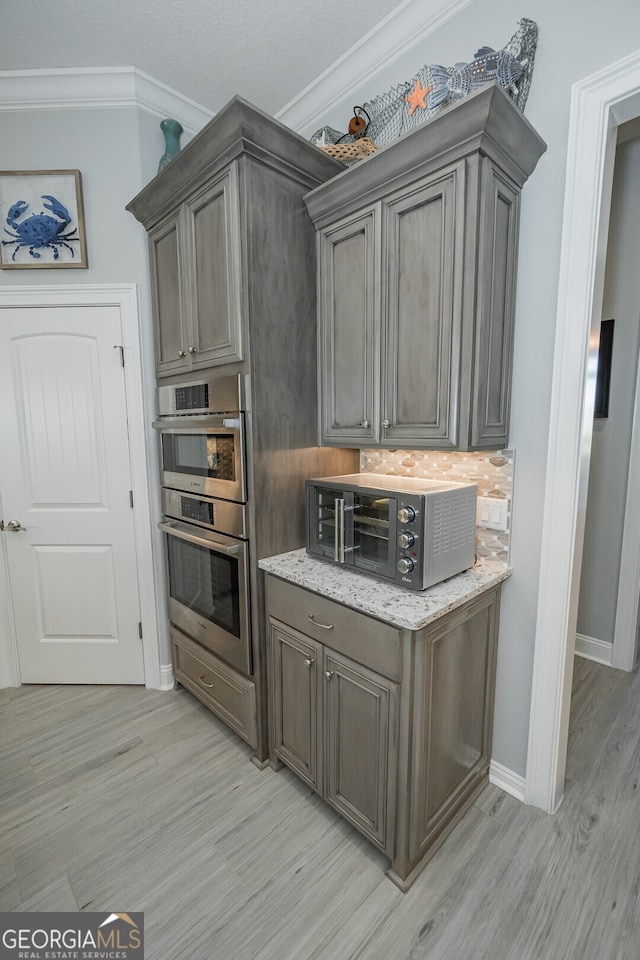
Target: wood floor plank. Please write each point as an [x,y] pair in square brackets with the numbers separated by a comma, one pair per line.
[122,798]
[56,896]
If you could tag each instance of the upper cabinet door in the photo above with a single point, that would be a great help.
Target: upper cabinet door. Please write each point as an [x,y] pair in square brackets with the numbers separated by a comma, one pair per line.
[170,321]
[349,329]
[497,256]
[424,230]
[214,277]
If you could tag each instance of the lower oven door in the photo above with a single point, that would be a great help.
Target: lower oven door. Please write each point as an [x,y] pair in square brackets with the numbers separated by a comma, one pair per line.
[208,590]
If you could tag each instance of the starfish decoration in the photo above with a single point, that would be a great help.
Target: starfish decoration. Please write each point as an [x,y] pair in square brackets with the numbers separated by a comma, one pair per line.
[417,97]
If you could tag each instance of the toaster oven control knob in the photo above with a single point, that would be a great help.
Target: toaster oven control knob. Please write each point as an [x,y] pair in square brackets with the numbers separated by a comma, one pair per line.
[405,564]
[406,514]
[406,540]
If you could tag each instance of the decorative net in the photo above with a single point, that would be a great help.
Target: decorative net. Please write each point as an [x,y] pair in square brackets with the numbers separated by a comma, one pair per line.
[393,113]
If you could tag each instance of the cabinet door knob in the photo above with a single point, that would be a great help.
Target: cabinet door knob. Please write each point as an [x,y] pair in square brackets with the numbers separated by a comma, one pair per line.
[308,662]
[325,626]
[386,423]
[328,674]
[181,353]
[364,424]
[192,350]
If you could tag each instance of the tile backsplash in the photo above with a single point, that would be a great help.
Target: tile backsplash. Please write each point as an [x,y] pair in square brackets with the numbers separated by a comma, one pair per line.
[491,470]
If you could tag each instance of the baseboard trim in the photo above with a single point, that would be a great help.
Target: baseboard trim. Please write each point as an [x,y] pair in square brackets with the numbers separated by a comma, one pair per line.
[592,649]
[512,783]
[166,676]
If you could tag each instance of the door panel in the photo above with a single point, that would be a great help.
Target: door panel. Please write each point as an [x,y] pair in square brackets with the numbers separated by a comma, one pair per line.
[497,256]
[350,330]
[360,712]
[423,311]
[295,663]
[170,321]
[214,280]
[65,477]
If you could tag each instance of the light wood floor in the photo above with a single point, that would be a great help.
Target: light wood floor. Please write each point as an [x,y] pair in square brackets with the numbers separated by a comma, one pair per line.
[123,799]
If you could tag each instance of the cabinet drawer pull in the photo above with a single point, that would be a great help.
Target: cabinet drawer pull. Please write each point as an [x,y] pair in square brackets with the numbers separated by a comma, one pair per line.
[324,626]
[328,674]
[308,662]
[203,681]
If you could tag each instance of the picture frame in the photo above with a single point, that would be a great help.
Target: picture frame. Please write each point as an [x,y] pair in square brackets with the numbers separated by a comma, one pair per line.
[42,220]
[603,376]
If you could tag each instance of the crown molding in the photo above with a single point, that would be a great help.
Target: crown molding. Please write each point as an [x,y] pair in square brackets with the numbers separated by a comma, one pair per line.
[97,87]
[408,25]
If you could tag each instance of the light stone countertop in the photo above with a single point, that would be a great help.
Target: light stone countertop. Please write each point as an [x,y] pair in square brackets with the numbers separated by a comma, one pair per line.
[409,609]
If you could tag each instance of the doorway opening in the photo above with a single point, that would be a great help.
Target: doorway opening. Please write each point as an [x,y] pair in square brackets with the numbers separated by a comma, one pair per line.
[599,104]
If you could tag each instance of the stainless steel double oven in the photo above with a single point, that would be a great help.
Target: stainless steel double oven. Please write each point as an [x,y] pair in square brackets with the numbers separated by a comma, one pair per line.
[201,427]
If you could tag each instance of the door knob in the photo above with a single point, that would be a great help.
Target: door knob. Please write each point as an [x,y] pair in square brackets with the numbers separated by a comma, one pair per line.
[193,349]
[14,526]
[181,353]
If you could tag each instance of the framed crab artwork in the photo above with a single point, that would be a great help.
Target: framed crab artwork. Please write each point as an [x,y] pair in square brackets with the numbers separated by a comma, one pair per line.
[41,220]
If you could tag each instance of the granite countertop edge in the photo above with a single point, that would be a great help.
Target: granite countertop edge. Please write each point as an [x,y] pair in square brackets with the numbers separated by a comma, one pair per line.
[407,609]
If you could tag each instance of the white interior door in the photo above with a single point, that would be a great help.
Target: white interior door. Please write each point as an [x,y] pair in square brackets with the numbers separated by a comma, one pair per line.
[64,483]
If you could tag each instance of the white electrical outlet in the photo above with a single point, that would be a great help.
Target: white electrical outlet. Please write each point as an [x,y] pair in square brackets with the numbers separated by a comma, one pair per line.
[492,513]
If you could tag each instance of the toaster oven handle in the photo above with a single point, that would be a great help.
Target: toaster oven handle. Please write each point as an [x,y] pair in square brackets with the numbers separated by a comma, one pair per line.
[338,553]
[175,531]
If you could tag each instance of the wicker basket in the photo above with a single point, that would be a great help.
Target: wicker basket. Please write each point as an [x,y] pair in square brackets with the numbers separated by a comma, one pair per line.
[347,152]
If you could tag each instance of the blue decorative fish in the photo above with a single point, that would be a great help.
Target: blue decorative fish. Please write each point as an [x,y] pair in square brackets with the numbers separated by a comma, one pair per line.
[487,65]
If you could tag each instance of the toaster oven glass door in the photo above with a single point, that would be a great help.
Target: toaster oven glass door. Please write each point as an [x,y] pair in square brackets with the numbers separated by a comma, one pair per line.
[373,527]
[353,528]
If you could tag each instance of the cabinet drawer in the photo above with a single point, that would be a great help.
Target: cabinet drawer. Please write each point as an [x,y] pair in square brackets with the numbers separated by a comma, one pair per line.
[220,688]
[371,642]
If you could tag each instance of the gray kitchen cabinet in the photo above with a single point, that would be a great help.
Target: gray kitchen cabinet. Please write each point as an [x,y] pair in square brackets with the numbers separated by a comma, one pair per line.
[359,728]
[393,727]
[195,274]
[333,722]
[295,669]
[417,258]
[233,268]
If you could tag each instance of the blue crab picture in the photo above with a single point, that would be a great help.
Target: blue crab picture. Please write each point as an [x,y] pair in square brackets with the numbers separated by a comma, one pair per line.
[39,231]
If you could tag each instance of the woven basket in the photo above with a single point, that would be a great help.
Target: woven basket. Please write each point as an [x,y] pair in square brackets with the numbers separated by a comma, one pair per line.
[357,150]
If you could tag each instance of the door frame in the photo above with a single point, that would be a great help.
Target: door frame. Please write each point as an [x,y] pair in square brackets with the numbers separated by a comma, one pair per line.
[599,104]
[626,622]
[125,298]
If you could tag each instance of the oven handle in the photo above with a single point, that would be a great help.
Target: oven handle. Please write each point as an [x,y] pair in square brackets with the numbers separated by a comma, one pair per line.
[198,424]
[175,531]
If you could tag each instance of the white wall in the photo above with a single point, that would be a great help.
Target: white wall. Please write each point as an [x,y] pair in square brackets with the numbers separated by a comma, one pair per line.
[611,436]
[117,151]
[577,37]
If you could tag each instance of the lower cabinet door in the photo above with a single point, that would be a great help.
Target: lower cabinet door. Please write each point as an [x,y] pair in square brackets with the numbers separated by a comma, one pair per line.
[360,730]
[295,662]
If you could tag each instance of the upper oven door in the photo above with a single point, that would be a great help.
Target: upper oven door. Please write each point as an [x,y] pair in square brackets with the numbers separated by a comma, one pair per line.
[204,455]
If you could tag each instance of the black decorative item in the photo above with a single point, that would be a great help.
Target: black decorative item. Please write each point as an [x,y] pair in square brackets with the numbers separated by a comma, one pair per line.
[603,376]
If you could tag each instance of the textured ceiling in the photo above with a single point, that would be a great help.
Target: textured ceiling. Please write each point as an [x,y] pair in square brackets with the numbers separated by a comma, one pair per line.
[208,50]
